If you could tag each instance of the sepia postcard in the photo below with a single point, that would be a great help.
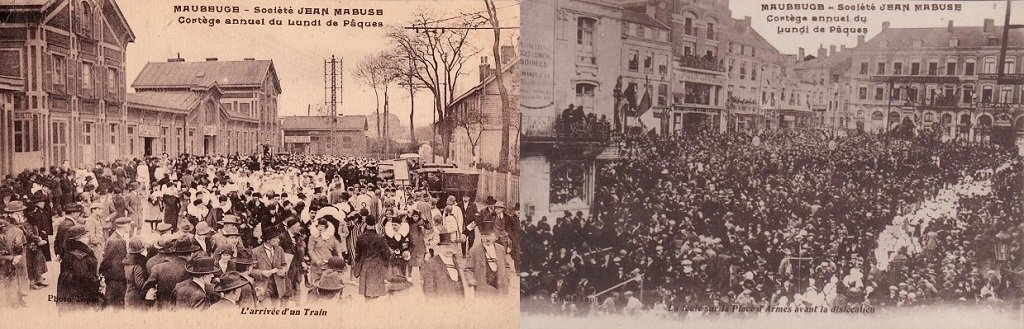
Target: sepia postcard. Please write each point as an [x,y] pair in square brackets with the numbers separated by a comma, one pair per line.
[272,164]
[772,164]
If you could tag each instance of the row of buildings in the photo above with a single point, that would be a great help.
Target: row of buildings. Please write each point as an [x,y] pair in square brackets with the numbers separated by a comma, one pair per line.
[64,96]
[673,66]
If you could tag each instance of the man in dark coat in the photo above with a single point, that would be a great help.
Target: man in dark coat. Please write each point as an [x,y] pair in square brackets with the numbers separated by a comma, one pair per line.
[197,292]
[72,214]
[372,256]
[442,273]
[78,286]
[165,276]
[469,214]
[42,219]
[112,267]
[271,269]
[488,268]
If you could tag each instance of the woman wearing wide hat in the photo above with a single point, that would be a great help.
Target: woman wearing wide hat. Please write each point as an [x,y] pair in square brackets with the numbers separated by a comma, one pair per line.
[78,286]
[242,264]
[230,287]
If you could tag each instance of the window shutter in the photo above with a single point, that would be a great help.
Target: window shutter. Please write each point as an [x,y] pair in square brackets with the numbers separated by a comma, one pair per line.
[71,69]
[97,78]
[81,69]
[48,68]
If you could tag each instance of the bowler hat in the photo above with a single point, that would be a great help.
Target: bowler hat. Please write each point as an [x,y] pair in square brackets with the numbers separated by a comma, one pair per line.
[202,228]
[181,246]
[136,246]
[230,231]
[336,263]
[76,232]
[230,281]
[272,232]
[202,265]
[14,206]
[36,198]
[330,281]
[244,256]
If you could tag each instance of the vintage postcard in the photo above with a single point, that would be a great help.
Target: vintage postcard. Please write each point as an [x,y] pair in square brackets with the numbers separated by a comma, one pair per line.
[763,164]
[275,163]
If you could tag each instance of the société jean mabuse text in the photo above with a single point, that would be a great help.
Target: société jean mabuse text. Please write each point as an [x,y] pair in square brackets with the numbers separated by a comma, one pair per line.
[281,10]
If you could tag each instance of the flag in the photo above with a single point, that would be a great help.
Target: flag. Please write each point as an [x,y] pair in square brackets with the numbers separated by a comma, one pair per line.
[630,95]
[645,103]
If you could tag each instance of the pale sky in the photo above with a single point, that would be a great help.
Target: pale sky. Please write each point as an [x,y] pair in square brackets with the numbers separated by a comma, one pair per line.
[972,14]
[299,52]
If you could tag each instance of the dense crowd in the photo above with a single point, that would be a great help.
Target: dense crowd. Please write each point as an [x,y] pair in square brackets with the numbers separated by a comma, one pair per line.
[786,220]
[231,231]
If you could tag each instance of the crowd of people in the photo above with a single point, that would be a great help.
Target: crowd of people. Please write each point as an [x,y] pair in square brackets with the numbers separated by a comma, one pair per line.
[243,231]
[786,220]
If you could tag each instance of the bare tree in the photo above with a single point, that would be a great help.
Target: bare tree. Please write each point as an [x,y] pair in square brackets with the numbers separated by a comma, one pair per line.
[380,71]
[439,55]
[367,72]
[492,18]
[473,122]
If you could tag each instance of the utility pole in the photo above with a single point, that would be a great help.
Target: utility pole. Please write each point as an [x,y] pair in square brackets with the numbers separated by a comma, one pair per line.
[331,92]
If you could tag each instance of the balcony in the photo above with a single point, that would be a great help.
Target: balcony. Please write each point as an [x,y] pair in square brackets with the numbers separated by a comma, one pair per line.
[710,63]
[571,129]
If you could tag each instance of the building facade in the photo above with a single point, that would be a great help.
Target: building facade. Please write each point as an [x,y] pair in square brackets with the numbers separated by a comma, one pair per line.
[229,106]
[342,136]
[944,79]
[70,55]
[477,119]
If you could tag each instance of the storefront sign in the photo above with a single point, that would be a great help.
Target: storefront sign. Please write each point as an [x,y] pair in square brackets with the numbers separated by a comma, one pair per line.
[149,131]
[209,130]
[297,140]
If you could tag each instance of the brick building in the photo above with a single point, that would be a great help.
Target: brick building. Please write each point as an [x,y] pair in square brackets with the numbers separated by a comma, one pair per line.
[346,135]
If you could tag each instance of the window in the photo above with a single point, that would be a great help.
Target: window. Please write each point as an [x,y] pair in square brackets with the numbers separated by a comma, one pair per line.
[1009,65]
[181,140]
[131,140]
[986,94]
[912,94]
[743,70]
[879,93]
[164,137]
[60,141]
[87,133]
[968,94]
[585,94]
[933,68]
[113,134]
[568,183]
[585,31]
[897,68]
[112,81]
[20,140]
[245,109]
[688,26]
[711,31]
[87,76]
[663,64]
[951,68]
[864,68]
[881,69]
[915,68]
[954,43]
[990,65]
[634,61]
[896,93]
[648,63]
[60,73]
[969,67]
[662,95]
[753,72]
[1006,94]
[86,19]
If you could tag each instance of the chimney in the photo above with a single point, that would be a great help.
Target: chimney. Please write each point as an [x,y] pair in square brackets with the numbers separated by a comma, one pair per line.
[485,69]
[832,50]
[508,52]
[885,25]
[746,20]
[989,23]
[801,54]
[949,28]
[860,40]
[821,51]
[250,59]
[211,59]
[176,59]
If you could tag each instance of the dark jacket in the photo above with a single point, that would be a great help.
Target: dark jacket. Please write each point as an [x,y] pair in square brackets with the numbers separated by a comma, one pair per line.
[112,267]
[136,275]
[436,280]
[188,294]
[78,285]
[164,277]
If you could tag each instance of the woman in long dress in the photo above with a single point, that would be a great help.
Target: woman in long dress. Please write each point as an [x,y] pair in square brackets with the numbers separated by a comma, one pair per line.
[372,256]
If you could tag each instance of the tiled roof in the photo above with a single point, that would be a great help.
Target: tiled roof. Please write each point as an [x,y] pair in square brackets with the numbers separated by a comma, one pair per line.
[26,2]
[179,101]
[204,74]
[643,18]
[323,122]
[968,36]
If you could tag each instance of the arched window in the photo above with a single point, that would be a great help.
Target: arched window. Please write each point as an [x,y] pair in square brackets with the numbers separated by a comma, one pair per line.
[85,19]
[585,92]
[689,19]
[990,65]
[877,115]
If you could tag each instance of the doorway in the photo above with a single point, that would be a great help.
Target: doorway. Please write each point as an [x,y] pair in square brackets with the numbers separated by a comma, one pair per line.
[147,146]
[209,144]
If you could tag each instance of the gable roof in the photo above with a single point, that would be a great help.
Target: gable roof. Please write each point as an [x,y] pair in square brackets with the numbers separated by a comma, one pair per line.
[182,102]
[968,36]
[323,122]
[642,18]
[246,73]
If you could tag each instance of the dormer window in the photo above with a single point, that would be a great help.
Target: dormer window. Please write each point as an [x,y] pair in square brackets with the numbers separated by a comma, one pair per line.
[918,43]
[954,43]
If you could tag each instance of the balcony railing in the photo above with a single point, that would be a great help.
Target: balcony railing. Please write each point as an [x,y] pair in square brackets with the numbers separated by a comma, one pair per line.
[573,128]
[710,63]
